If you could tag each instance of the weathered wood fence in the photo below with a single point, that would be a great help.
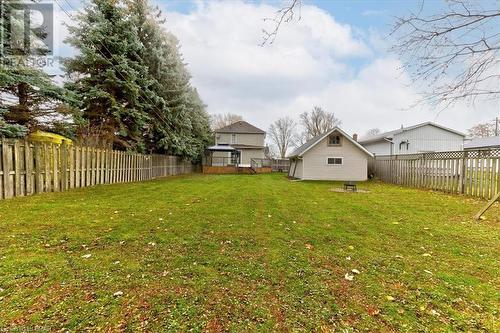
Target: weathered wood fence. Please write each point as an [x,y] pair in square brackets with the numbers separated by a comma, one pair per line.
[30,167]
[280,164]
[474,173]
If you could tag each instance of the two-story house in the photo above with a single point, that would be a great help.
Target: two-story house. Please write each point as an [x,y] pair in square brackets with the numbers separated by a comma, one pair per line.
[246,141]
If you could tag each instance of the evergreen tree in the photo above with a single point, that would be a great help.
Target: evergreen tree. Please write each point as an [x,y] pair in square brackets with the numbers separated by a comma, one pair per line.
[109,77]
[181,123]
[29,100]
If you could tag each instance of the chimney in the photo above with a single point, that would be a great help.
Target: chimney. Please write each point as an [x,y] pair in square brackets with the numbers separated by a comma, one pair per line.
[355,137]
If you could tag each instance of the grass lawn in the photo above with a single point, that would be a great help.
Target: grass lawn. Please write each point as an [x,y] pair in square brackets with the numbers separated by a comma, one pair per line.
[248,253]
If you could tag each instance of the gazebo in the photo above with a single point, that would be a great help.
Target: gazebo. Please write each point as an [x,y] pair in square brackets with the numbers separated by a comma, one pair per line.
[221,156]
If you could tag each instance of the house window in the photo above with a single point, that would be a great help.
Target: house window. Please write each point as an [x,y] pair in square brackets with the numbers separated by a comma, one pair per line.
[233,138]
[334,160]
[334,140]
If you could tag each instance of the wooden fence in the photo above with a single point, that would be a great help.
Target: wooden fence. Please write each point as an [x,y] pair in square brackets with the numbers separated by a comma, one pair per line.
[474,173]
[30,167]
[280,164]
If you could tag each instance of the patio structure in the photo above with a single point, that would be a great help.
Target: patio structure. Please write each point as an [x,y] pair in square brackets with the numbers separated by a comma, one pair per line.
[223,158]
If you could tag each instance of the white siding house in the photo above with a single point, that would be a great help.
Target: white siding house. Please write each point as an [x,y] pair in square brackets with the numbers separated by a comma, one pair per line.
[425,137]
[330,156]
[245,138]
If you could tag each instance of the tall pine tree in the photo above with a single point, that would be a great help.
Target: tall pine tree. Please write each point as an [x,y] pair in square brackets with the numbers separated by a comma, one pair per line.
[181,124]
[110,78]
[29,100]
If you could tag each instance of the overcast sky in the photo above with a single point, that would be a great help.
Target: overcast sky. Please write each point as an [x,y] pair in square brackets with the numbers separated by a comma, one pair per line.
[336,56]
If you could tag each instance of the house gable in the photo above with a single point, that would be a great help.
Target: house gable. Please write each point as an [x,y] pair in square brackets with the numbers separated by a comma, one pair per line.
[300,151]
[344,161]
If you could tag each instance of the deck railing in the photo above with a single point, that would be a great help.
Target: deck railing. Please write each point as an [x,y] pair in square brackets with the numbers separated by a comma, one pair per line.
[220,161]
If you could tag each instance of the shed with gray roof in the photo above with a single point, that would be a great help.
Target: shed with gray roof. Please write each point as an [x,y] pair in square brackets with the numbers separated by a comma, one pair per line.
[333,155]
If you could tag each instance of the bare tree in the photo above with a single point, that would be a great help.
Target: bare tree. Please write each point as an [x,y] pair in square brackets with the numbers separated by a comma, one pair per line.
[284,15]
[282,133]
[455,53]
[318,121]
[221,120]
[483,130]
[373,132]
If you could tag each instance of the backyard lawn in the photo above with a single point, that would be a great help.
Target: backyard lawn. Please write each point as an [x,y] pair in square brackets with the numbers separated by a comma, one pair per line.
[248,253]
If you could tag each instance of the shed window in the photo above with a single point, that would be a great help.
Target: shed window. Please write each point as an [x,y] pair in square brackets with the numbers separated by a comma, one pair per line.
[334,140]
[233,138]
[334,161]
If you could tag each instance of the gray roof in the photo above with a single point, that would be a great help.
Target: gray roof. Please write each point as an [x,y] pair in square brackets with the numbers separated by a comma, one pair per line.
[390,134]
[240,127]
[492,141]
[299,150]
[313,141]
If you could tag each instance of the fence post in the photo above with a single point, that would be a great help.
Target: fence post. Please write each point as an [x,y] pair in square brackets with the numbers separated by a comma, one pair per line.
[64,166]
[17,169]
[28,167]
[462,172]
[6,169]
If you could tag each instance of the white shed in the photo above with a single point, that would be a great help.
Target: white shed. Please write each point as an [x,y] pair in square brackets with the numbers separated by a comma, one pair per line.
[333,155]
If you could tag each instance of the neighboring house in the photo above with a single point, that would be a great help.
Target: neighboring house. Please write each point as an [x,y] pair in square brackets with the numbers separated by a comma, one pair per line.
[333,155]
[246,139]
[425,137]
[483,143]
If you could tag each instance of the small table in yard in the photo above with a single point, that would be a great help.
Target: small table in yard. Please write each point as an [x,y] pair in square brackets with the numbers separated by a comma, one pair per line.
[350,186]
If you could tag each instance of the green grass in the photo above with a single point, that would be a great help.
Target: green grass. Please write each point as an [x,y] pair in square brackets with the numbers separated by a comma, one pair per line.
[248,253]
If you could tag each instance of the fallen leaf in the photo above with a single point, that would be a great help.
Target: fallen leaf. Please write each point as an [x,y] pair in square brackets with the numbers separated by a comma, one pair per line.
[373,311]
[309,246]
[426,255]
[347,258]
[86,256]
[355,271]
[118,293]
[348,277]
[350,247]
[428,272]
[389,298]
